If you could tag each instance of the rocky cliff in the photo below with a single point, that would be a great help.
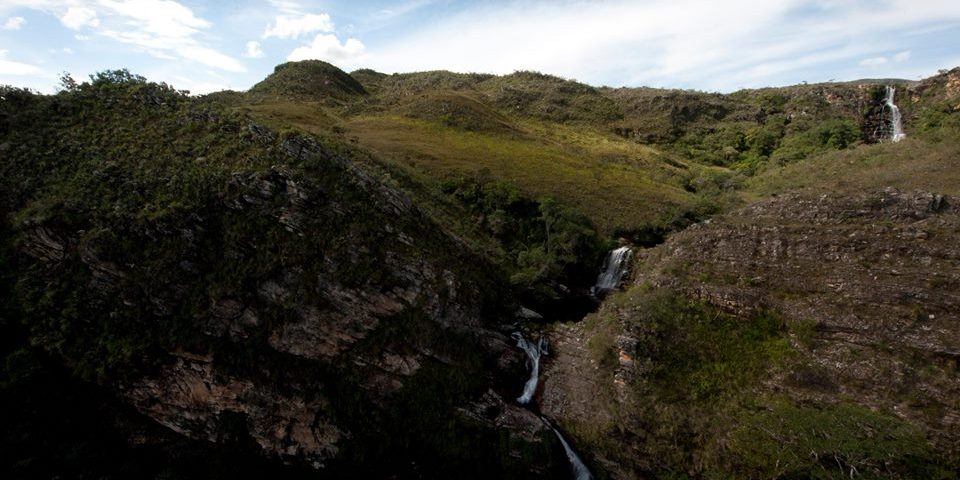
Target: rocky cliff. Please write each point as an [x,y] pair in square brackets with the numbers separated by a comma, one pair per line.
[845,306]
[261,291]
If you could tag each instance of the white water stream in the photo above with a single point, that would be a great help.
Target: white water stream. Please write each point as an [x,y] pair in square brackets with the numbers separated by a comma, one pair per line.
[615,265]
[534,352]
[896,122]
[580,470]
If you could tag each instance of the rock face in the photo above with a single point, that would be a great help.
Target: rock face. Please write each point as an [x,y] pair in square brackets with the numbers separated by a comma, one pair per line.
[871,270]
[867,286]
[304,309]
[190,398]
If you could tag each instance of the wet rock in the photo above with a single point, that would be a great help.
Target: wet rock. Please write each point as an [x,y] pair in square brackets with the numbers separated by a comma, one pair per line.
[526,314]
[106,274]
[938,203]
[261,134]
[492,408]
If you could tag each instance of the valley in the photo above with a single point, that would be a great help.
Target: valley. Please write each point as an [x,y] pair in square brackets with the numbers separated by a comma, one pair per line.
[438,274]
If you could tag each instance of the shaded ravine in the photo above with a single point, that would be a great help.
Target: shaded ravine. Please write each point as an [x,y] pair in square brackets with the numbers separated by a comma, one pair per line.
[534,351]
[615,266]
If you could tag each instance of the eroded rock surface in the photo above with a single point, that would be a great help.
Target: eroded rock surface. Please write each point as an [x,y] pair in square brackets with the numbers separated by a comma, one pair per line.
[873,279]
[190,397]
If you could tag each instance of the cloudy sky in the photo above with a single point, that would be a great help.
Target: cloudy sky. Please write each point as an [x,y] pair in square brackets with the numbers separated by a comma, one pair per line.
[710,45]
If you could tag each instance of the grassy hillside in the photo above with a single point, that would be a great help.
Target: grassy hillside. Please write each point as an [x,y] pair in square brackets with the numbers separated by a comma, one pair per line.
[630,159]
[621,187]
[547,136]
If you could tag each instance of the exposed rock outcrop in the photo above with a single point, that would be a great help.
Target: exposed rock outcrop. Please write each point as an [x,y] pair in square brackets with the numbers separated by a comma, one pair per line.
[300,293]
[867,284]
[190,397]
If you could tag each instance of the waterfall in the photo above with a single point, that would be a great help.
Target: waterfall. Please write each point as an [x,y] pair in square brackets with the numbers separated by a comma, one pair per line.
[614,266]
[896,131]
[580,470]
[534,351]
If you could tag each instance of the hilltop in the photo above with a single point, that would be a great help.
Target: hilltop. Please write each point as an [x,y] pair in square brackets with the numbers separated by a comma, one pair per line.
[309,80]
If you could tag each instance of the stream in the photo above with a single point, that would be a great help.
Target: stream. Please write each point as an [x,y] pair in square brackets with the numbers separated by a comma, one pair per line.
[615,266]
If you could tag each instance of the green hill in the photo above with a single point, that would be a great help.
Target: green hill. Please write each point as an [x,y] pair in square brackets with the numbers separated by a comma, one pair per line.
[309,79]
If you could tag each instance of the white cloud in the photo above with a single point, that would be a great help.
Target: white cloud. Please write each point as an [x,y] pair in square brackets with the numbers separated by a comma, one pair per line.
[210,57]
[672,43]
[164,18]
[253,50]
[164,29]
[328,47]
[399,9]
[76,18]
[9,67]
[286,6]
[14,23]
[676,43]
[3,52]
[873,62]
[293,27]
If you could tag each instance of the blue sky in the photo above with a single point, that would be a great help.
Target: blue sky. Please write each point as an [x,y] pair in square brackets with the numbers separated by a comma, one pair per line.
[709,45]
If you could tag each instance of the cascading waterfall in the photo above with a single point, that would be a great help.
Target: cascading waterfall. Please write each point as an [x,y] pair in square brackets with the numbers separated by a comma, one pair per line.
[580,470]
[896,130]
[614,266]
[534,352]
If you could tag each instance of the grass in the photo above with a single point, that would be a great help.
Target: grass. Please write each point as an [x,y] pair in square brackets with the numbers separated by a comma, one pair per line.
[909,164]
[556,138]
[307,116]
[789,440]
[697,368]
[611,183]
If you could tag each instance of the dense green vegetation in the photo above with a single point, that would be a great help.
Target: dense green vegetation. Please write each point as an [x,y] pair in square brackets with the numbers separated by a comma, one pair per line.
[699,366]
[545,242]
[633,161]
